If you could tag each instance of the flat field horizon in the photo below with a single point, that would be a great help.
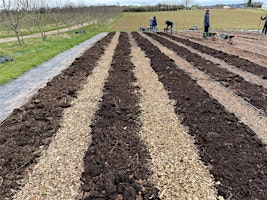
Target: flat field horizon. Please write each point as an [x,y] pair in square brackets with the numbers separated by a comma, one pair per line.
[220,19]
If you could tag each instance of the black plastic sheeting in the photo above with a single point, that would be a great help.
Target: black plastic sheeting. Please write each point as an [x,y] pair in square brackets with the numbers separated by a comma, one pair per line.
[4,59]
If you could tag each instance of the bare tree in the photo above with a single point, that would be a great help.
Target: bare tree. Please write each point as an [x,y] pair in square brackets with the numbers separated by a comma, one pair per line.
[69,16]
[186,3]
[56,12]
[249,3]
[13,12]
[38,11]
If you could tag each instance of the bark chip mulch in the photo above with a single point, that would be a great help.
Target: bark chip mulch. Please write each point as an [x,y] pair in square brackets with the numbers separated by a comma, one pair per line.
[231,59]
[236,156]
[254,94]
[30,129]
[117,162]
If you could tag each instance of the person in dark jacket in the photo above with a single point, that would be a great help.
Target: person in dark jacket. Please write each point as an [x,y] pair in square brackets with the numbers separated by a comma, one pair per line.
[264,30]
[169,25]
[206,22]
[154,24]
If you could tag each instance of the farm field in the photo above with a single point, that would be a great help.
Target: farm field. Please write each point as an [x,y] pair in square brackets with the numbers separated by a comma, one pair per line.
[145,116]
[220,19]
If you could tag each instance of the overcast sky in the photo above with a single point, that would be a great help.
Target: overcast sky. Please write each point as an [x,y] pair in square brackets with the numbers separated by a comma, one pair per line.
[174,2]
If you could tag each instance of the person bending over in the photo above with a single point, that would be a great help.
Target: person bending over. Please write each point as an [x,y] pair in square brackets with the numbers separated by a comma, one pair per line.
[169,25]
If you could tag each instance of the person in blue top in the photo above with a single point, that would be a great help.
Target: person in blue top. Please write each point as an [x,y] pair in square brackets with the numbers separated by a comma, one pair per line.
[154,24]
[206,22]
[265,24]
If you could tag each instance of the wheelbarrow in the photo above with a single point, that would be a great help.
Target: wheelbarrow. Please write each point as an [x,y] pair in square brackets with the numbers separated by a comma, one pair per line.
[225,37]
[207,35]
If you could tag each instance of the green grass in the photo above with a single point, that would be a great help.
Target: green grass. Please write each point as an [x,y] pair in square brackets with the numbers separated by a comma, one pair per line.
[220,19]
[35,51]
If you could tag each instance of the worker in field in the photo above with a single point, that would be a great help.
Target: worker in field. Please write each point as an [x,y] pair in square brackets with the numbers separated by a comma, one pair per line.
[154,25]
[264,30]
[169,25]
[206,23]
[150,24]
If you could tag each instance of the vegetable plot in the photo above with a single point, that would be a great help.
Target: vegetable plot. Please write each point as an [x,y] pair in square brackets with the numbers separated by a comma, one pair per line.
[142,116]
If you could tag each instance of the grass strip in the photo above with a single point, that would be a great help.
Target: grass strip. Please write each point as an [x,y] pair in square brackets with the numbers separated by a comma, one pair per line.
[36,51]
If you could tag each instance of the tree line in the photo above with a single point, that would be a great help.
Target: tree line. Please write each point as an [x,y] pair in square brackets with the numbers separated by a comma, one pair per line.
[184,4]
[22,17]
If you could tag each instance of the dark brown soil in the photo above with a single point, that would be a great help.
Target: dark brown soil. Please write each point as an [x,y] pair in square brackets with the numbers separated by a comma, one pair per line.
[32,126]
[237,156]
[235,60]
[252,93]
[117,162]
[231,59]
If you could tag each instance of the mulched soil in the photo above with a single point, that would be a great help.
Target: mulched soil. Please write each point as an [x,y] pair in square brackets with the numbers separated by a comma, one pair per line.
[252,93]
[117,162]
[231,59]
[236,155]
[30,128]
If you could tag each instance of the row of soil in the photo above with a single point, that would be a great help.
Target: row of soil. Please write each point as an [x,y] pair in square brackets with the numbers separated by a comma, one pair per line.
[238,50]
[110,169]
[250,37]
[116,164]
[238,35]
[235,154]
[231,59]
[252,43]
[57,173]
[252,93]
[178,171]
[30,129]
